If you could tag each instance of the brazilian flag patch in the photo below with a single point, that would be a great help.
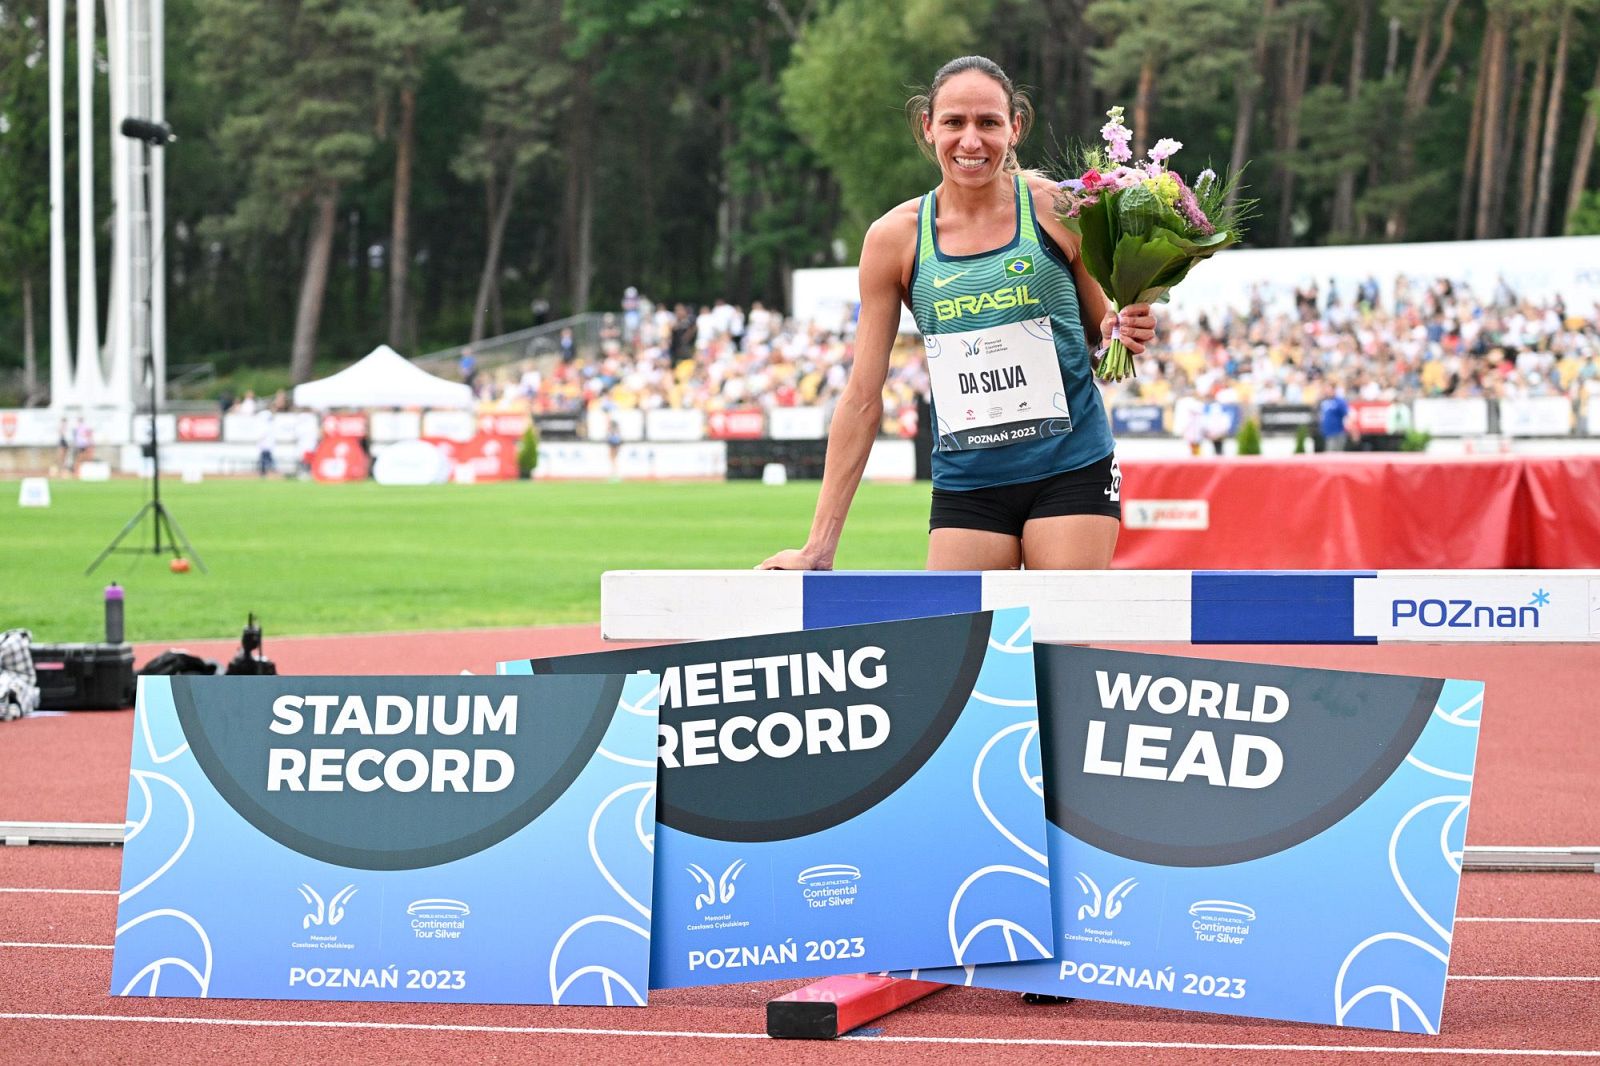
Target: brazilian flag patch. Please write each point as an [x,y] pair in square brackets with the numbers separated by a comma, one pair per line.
[1018,266]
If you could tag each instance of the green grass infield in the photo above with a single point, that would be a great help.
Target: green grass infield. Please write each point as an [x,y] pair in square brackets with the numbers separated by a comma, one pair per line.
[310,558]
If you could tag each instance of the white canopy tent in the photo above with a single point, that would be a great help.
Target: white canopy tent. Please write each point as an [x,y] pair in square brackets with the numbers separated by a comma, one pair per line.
[385,378]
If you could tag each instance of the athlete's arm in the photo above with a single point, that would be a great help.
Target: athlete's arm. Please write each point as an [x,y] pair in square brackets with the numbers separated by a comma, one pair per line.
[859,412]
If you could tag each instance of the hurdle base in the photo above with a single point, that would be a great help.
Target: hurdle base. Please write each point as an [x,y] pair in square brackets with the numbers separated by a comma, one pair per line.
[826,1009]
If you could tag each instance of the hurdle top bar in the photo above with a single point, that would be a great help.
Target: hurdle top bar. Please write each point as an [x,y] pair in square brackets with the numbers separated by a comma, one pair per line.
[1122,606]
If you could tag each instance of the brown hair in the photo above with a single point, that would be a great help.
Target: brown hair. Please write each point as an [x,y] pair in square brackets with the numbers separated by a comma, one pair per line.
[1018,106]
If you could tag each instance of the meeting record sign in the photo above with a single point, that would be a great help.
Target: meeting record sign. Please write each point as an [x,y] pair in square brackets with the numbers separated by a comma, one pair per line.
[468,839]
[843,800]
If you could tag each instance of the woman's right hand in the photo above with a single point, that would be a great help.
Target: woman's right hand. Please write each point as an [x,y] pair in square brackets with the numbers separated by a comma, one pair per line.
[796,559]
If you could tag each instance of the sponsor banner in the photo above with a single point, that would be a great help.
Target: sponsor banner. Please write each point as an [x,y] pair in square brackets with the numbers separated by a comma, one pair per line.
[33,427]
[1475,608]
[558,427]
[1166,514]
[1261,841]
[166,427]
[503,424]
[797,423]
[669,423]
[1374,416]
[390,426]
[628,422]
[844,800]
[1536,416]
[448,425]
[1135,418]
[442,839]
[1286,419]
[1451,416]
[744,423]
[350,425]
[199,427]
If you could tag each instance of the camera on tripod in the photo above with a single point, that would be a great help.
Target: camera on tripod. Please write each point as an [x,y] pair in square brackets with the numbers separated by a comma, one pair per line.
[248,659]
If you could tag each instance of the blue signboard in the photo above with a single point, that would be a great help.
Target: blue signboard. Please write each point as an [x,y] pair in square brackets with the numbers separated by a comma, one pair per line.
[1264,841]
[460,839]
[843,800]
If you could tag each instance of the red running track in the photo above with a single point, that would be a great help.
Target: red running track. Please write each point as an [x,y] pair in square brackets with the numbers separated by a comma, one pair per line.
[1525,969]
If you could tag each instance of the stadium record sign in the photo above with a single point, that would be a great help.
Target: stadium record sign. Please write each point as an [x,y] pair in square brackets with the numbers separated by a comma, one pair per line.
[447,839]
[843,800]
[1263,841]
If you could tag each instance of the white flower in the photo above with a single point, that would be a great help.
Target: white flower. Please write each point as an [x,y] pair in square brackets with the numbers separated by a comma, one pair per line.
[1164,148]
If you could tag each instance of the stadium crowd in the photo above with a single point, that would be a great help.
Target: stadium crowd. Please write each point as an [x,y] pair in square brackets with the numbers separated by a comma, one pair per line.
[1416,340]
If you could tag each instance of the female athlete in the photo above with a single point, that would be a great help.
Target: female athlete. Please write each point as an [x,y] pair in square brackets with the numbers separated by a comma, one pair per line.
[1024,467]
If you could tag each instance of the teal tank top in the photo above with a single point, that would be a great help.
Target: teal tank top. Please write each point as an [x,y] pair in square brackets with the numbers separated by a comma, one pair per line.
[1004,410]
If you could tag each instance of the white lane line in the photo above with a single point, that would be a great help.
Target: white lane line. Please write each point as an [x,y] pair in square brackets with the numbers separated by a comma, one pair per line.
[1508,977]
[660,1034]
[65,891]
[1550,921]
[77,947]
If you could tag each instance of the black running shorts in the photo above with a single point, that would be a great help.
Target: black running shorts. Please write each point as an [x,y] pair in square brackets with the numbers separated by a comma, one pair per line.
[1092,489]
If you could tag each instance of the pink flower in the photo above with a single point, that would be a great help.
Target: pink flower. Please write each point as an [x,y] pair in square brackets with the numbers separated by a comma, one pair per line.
[1164,148]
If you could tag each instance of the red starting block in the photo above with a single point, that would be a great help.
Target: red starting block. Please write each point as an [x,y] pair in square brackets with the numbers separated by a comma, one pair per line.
[833,1006]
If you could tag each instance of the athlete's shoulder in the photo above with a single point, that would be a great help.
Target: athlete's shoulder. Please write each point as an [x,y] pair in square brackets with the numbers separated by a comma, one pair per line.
[891,241]
[899,221]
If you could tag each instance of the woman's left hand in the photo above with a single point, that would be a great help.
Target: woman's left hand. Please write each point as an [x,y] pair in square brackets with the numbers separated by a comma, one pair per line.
[1136,326]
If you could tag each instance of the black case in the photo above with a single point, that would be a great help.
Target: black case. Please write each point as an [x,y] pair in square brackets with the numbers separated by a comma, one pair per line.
[84,677]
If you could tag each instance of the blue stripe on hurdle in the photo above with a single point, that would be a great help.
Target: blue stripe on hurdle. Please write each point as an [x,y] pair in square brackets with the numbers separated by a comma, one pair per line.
[1275,607]
[830,599]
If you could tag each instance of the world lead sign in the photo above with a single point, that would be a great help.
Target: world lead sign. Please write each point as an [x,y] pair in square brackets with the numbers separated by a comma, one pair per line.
[1264,841]
[461,839]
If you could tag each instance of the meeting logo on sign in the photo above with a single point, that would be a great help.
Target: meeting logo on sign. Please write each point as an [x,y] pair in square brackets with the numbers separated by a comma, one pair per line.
[332,913]
[718,891]
[1220,921]
[324,914]
[1100,909]
[713,893]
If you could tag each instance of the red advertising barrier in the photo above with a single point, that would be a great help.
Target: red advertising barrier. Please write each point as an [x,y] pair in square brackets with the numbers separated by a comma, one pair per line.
[340,459]
[199,427]
[492,456]
[1363,512]
[743,423]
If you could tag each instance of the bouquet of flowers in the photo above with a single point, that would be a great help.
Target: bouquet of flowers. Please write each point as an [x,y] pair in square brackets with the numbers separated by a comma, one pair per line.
[1143,226]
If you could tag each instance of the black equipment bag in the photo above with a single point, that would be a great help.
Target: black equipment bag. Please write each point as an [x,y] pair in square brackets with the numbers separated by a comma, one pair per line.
[84,677]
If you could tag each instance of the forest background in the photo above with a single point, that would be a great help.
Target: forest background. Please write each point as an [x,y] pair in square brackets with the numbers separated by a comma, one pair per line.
[428,172]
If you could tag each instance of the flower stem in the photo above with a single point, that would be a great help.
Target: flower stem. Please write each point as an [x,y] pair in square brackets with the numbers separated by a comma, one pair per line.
[1117,363]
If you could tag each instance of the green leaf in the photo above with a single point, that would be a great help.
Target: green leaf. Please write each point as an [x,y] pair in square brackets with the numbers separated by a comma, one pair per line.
[1095,224]
[1139,262]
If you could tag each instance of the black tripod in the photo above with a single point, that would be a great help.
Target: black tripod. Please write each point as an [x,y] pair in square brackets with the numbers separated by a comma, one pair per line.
[154,134]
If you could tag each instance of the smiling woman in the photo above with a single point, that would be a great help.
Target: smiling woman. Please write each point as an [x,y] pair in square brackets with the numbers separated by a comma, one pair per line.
[1024,470]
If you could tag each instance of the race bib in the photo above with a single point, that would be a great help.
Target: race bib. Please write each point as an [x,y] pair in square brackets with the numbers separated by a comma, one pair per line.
[997,386]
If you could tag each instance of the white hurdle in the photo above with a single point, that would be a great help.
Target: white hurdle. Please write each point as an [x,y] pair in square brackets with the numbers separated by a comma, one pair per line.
[1122,606]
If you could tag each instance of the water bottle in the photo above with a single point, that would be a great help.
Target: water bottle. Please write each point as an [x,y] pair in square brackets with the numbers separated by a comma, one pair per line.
[113,613]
